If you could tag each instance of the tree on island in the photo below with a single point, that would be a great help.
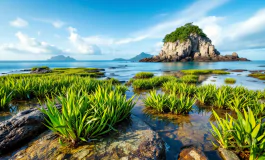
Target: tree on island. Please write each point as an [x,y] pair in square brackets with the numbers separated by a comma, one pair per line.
[182,33]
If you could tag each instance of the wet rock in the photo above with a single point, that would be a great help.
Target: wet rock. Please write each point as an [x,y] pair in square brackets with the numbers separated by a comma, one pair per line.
[24,126]
[261,66]
[239,70]
[41,71]
[134,140]
[192,152]
[4,73]
[25,70]
[227,155]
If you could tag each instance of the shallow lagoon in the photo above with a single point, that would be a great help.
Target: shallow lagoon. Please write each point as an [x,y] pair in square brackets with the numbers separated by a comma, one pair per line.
[175,130]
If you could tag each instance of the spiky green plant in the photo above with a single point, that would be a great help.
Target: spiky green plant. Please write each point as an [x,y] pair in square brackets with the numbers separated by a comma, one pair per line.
[247,132]
[84,116]
[169,102]
[156,101]
[5,99]
[185,104]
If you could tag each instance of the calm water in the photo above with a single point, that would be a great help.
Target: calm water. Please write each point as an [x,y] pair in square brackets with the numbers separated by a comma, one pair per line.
[126,70]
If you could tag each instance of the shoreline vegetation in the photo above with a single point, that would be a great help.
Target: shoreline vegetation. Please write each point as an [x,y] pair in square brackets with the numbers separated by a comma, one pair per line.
[91,108]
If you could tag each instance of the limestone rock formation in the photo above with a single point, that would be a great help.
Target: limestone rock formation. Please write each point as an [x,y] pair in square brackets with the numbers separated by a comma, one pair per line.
[189,43]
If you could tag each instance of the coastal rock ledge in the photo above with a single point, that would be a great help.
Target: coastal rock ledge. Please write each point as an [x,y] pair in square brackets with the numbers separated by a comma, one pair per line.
[133,140]
[189,43]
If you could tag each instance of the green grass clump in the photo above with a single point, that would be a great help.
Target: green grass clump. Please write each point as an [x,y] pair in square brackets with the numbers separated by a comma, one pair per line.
[182,33]
[42,67]
[169,103]
[152,82]
[144,75]
[189,79]
[230,80]
[85,117]
[244,134]
[258,75]
[204,71]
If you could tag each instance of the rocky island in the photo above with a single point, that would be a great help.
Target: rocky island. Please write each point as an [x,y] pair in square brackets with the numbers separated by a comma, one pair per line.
[189,43]
[137,58]
[61,58]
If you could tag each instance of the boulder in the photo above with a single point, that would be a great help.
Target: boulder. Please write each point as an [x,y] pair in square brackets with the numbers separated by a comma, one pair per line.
[19,129]
[234,54]
[133,140]
[227,155]
[192,152]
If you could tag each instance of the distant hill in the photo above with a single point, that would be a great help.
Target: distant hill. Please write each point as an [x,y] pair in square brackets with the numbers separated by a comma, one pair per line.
[120,59]
[136,58]
[61,58]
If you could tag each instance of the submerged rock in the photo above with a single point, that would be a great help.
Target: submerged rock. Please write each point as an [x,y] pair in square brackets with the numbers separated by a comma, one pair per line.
[134,140]
[24,126]
[192,152]
[227,155]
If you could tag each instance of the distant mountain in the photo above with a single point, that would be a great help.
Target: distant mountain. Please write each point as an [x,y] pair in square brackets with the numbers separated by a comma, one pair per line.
[120,59]
[136,58]
[61,58]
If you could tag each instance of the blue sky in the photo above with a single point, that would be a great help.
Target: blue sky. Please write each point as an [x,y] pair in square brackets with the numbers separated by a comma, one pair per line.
[107,29]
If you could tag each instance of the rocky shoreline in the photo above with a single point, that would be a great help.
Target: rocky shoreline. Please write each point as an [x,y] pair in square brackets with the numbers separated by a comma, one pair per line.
[218,58]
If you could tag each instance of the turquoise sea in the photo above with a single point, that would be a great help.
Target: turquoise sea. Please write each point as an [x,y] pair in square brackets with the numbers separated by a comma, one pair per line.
[124,70]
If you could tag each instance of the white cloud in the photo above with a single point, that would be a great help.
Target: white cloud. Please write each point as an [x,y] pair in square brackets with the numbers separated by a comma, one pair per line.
[54,23]
[194,12]
[81,44]
[30,45]
[19,22]
[246,34]
[58,24]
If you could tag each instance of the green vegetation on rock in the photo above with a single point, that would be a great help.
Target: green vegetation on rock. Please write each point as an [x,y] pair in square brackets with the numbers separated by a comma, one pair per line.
[182,33]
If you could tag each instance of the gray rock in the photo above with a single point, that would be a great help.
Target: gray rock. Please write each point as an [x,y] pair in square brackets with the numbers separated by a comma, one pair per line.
[134,140]
[192,152]
[227,155]
[196,47]
[22,127]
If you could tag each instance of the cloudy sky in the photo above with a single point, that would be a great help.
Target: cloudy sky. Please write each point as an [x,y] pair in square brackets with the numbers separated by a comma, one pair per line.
[107,29]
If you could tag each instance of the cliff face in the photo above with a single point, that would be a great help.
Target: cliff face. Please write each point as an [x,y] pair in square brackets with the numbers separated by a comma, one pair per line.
[195,48]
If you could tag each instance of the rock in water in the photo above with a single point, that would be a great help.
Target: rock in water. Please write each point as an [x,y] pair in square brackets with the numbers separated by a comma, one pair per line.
[24,126]
[227,155]
[192,153]
[195,47]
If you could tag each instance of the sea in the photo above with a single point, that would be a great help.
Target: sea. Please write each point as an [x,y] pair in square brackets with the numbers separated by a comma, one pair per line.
[124,70]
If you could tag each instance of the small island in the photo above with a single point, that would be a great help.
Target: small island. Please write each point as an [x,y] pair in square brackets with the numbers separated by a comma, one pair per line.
[61,58]
[137,58]
[190,43]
